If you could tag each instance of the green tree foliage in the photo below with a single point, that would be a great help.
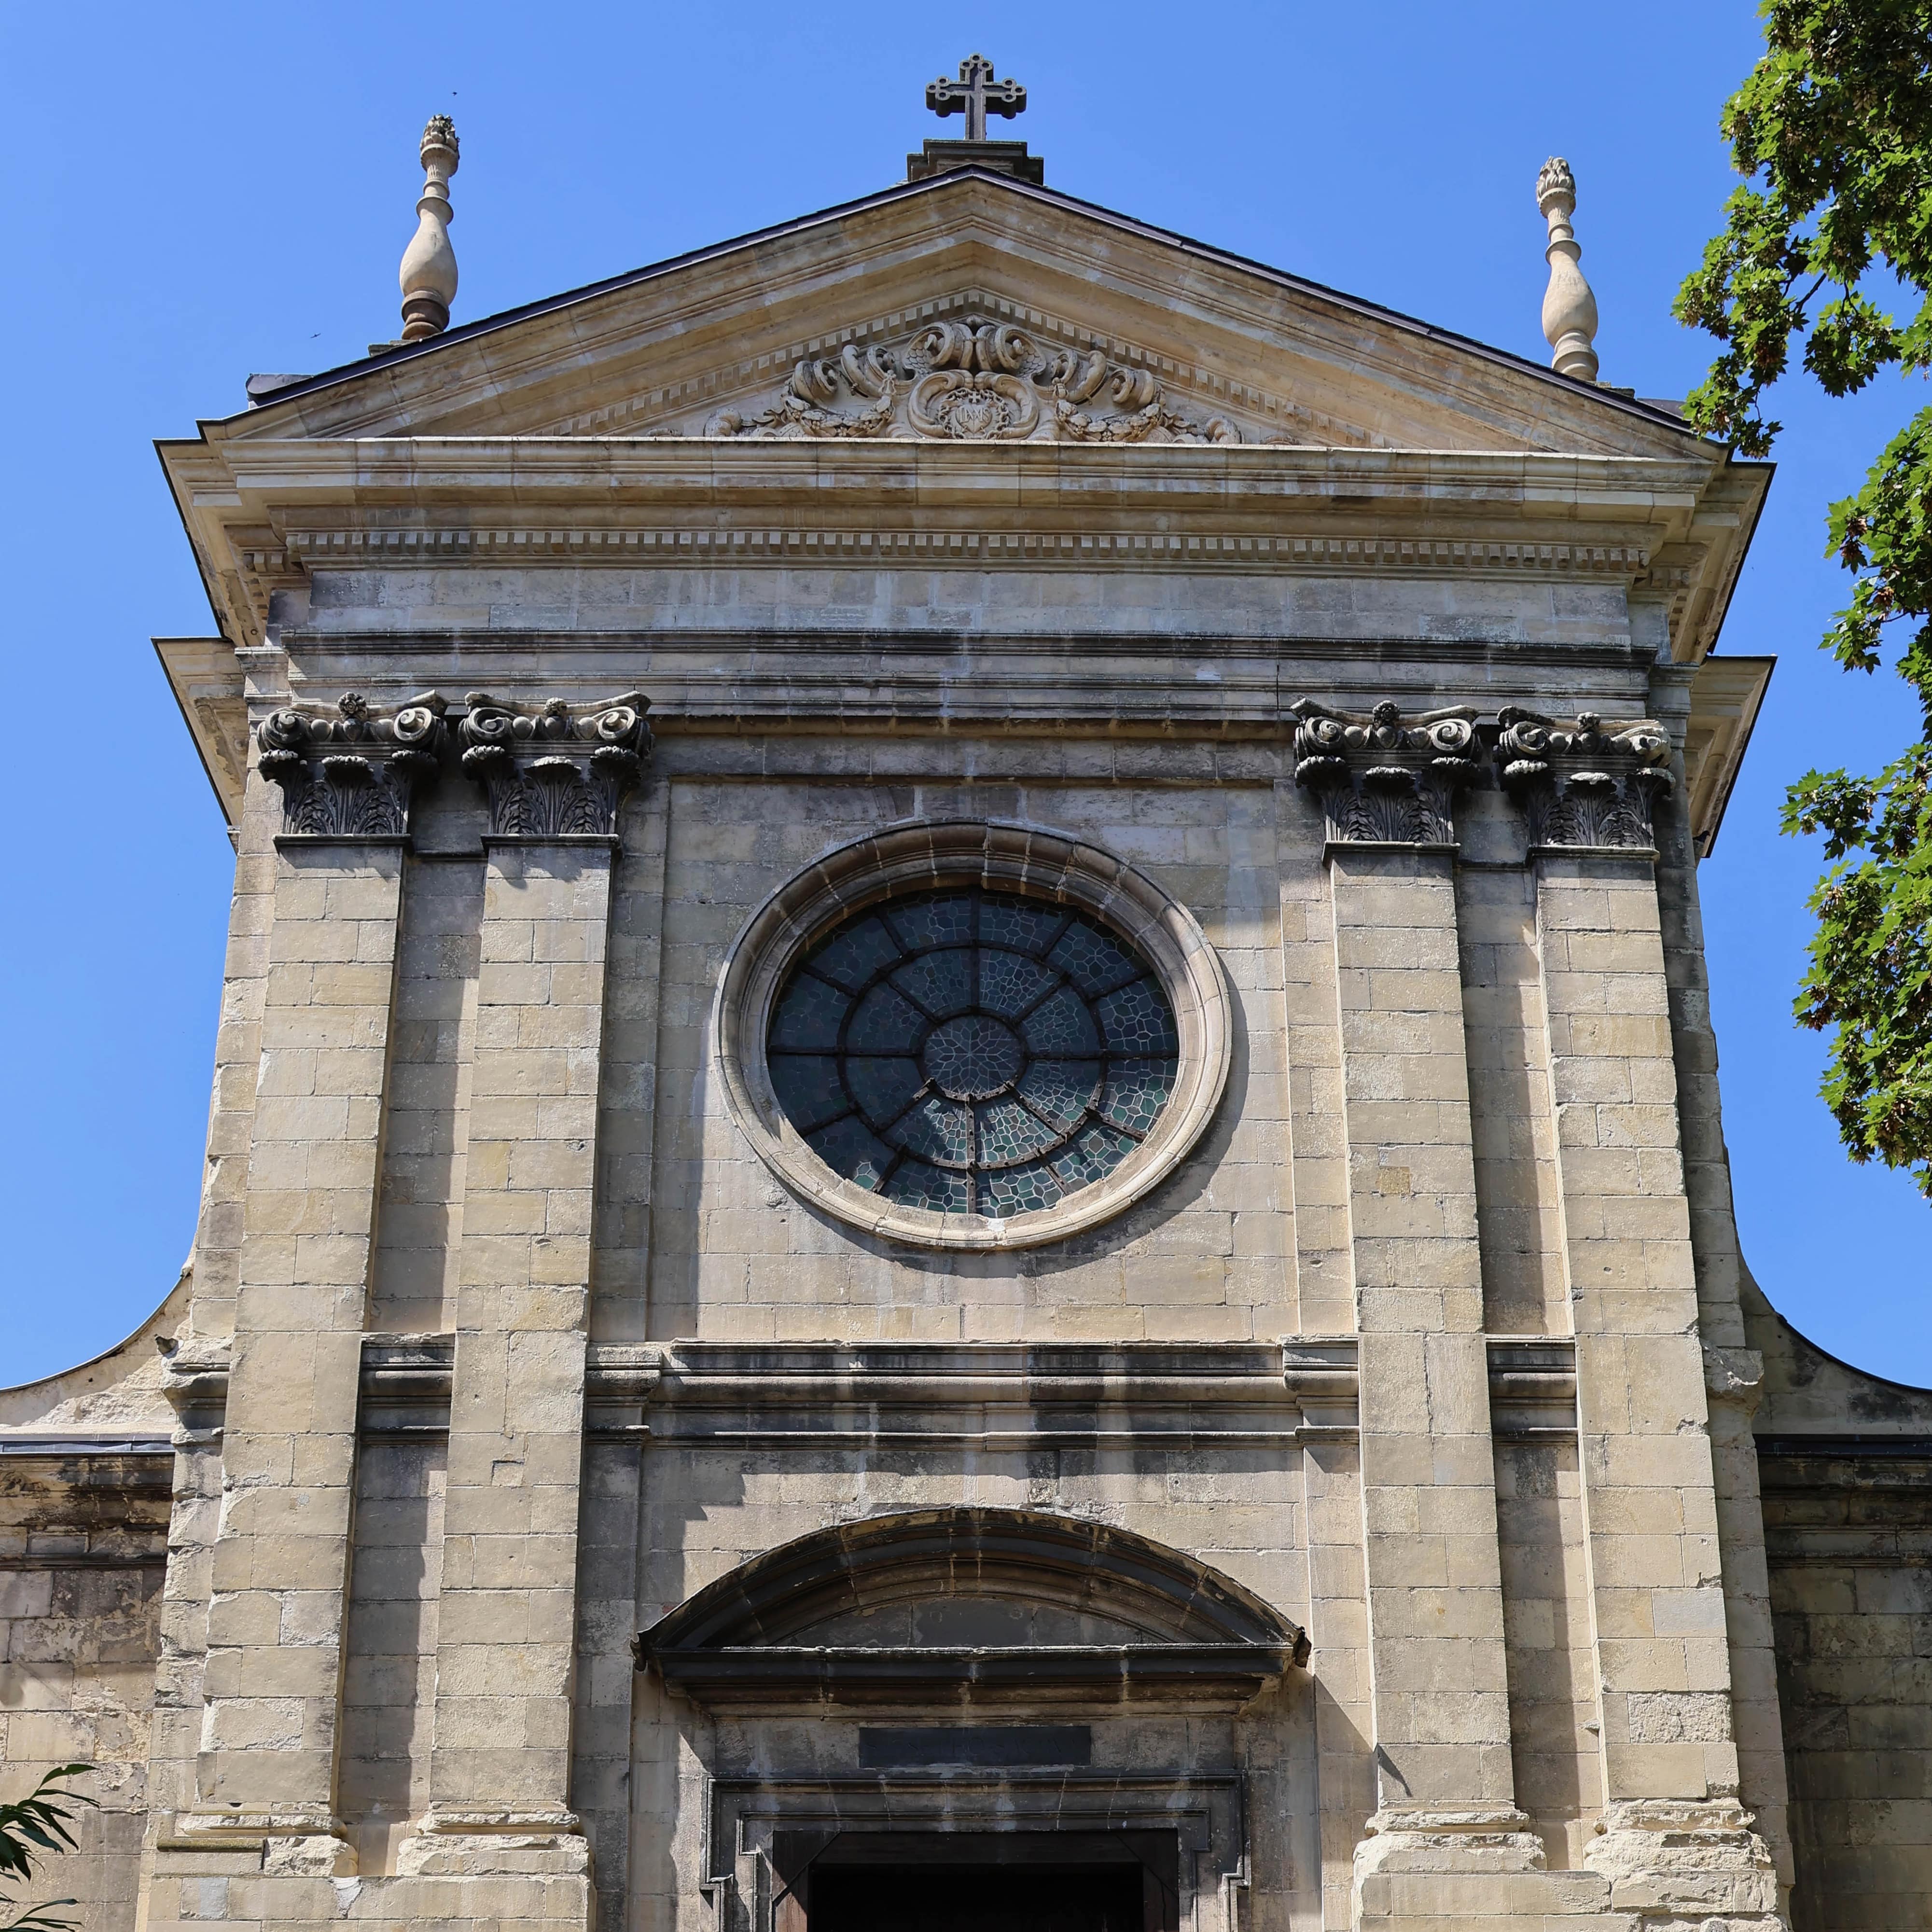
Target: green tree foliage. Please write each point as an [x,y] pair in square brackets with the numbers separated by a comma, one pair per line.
[39,1824]
[1832,132]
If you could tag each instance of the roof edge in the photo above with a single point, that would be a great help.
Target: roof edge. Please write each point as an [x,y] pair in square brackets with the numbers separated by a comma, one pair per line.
[1647,412]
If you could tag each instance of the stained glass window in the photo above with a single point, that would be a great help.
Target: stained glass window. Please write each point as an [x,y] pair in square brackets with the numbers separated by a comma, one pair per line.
[972,1052]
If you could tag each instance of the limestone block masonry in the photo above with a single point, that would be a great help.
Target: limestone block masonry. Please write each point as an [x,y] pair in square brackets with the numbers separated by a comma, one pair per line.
[657,1435]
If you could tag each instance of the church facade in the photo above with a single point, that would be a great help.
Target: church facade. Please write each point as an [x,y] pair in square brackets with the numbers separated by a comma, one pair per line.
[965,1162]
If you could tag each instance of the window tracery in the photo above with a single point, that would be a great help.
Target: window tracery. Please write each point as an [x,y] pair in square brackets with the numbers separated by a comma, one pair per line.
[969,1052]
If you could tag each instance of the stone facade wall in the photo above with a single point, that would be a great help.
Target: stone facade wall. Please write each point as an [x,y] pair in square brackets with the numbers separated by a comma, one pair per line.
[1539,1521]
[1844,1462]
[578,1517]
[1850,1536]
[388,1690]
[1385,1173]
[572,1250]
[1208,1257]
[83,1547]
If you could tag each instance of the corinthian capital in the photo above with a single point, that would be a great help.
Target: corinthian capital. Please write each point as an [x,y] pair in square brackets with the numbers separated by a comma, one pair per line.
[350,772]
[557,770]
[1381,781]
[1587,785]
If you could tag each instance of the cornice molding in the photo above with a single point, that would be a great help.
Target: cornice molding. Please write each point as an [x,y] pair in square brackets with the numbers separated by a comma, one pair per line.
[291,507]
[303,549]
[209,686]
[287,508]
[393,471]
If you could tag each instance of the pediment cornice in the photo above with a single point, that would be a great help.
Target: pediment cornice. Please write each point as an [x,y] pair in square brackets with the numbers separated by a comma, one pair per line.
[260,476]
[663,348]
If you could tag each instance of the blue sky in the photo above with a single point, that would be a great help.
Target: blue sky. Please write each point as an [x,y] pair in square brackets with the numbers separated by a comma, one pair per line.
[198,192]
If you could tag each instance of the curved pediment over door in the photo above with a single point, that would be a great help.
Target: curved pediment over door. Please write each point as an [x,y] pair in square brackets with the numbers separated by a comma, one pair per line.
[973,1606]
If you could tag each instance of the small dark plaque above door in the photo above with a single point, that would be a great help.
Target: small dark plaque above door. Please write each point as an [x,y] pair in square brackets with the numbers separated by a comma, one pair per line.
[934,1747]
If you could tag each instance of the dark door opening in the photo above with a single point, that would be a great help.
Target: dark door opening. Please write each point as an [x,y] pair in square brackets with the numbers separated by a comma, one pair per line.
[977,1881]
[976,1898]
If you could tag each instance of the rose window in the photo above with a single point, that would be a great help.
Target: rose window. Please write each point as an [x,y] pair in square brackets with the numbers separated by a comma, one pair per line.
[972,1052]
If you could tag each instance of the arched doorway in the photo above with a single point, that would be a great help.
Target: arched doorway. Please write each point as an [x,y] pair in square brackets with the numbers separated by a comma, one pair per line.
[1013,1720]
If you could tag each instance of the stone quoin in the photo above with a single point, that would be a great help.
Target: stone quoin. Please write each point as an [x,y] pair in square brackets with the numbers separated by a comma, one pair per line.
[965,1163]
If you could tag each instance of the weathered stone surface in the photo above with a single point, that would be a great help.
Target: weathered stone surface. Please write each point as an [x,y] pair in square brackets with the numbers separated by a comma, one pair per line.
[1403,1497]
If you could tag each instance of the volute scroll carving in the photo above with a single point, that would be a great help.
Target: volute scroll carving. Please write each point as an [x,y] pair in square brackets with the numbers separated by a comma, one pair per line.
[1382,780]
[974,380]
[560,771]
[1584,786]
[350,773]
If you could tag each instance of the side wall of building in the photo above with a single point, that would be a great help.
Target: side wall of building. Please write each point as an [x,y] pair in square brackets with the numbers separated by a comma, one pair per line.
[1846,1466]
[83,1550]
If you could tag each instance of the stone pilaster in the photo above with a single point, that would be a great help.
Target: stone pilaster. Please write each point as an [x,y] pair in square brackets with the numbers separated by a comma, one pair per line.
[1733,1377]
[266,1768]
[499,1772]
[1675,1842]
[1438,1682]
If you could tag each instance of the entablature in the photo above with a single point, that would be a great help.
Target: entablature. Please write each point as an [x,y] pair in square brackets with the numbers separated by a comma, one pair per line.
[267,515]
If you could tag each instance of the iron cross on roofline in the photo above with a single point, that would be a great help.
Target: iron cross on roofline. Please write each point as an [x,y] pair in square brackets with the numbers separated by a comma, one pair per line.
[975,94]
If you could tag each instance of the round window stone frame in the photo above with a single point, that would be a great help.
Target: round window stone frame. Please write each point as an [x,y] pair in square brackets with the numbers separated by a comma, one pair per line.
[999,856]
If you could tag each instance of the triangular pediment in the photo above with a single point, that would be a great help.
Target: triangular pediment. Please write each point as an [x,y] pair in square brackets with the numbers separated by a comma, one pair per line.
[970,365]
[969,308]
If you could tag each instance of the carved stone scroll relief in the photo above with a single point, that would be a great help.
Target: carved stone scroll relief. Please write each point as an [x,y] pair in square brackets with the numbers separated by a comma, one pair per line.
[350,773]
[974,381]
[1587,785]
[561,771]
[1382,781]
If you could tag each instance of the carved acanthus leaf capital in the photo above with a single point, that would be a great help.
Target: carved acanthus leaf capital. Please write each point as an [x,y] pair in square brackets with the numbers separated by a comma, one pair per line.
[556,770]
[1586,785]
[1383,781]
[349,772]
